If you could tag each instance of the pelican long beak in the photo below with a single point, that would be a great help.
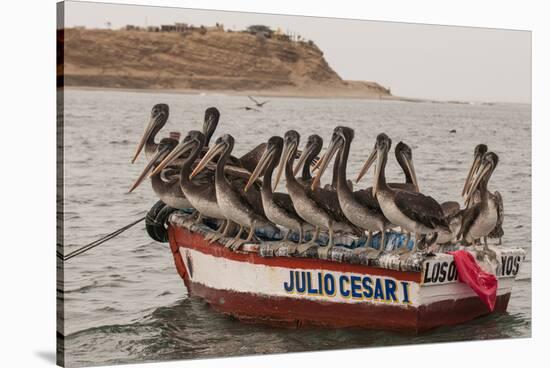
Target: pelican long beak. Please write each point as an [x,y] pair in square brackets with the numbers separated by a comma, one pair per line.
[327,157]
[212,152]
[367,165]
[302,156]
[158,155]
[176,152]
[483,171]
[146,134]
[377,171]
[410,166]
[318,163]
[260,167]
[471,173]
[284,158]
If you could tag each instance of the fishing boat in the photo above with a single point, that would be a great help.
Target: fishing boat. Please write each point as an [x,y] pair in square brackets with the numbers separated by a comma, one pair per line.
[266,283]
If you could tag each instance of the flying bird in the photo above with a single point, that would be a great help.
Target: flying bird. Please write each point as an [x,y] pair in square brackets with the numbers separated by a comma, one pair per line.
[258,104]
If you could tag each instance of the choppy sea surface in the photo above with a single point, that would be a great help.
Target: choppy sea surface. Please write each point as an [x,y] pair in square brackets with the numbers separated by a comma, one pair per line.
[124,301]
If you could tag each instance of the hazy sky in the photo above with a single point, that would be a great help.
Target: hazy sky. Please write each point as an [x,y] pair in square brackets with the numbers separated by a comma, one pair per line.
[424,61]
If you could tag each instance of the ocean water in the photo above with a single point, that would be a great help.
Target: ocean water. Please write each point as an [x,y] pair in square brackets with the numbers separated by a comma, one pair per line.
[124,301]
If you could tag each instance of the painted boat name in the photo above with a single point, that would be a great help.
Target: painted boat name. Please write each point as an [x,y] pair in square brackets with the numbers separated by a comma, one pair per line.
[442,272]
[348,286]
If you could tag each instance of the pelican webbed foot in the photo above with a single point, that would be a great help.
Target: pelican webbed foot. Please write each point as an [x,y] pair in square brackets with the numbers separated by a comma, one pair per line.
[237,242]
[370,253]
[368,250]
[304,247]
[323,252]
[290,247]
[237,238]
[419,243]
[218,234]
[486,251]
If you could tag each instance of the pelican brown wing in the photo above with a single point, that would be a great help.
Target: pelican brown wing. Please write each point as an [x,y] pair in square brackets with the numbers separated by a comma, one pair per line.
[469,215]
[284,202]
[250,159]
[421,208]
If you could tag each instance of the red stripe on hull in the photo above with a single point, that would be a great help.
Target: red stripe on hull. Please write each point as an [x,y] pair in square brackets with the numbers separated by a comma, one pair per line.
[184,238]
[291,312]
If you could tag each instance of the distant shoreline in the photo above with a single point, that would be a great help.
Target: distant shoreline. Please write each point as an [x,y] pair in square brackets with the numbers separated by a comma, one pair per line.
[288,94]
[264,93]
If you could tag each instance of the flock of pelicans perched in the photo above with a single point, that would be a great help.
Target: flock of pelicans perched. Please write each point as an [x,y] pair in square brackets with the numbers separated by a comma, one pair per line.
[195,174]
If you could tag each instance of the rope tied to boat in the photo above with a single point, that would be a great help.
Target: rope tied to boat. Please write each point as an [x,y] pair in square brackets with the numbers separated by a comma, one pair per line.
[155,224]
[98,242]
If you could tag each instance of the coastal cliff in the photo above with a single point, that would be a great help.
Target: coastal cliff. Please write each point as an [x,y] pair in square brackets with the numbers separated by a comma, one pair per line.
[206,61]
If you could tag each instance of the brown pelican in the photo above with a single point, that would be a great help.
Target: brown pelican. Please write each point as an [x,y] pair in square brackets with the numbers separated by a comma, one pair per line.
[359,207]
[249,160]
[278,207]
[244,208]
[318,207]
[412,211]
[481,218]
[158,118]
[479,151]
[165,183]
[201,191]
[311,151]
[403,155]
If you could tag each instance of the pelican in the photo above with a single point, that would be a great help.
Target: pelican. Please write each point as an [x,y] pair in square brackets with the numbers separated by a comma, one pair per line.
[481,218]
[201,192]
[165,183]
[211,119]
[158,118]
[311,151]
[190,148]
[403,155]
[278,206]
[244,209]
[479,151]
[359,207]
[412,211]
[318,207]
[249,160]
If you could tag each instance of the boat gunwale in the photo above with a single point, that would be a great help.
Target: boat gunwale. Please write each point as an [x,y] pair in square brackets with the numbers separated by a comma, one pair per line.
[219,250]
